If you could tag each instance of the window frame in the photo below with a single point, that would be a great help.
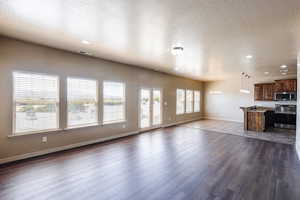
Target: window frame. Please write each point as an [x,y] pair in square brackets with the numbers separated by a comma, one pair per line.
[184,103]
[124,106]
[68,127]
[199,102]
[192,101]
[14,112]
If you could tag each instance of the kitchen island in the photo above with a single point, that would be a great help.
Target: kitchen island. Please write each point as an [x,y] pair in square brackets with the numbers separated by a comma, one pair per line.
[258,118]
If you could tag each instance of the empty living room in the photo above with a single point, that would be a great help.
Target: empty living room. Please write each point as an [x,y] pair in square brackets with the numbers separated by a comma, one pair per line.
[149,100]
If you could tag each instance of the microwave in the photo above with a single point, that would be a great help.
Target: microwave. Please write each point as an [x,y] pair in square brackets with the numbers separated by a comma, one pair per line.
[285,96]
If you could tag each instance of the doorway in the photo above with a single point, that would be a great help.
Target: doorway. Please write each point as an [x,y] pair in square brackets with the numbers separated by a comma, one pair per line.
[150,115]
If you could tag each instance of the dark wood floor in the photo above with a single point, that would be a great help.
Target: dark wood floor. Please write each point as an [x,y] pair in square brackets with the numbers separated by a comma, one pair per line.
[169,164]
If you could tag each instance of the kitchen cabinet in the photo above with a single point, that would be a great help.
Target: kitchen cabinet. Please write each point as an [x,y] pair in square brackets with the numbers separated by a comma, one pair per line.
[289,85]
[268,92]
[264,92]
[258,92]
[258,118]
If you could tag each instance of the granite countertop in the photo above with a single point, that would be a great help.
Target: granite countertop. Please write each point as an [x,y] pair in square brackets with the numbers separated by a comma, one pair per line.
[258,109]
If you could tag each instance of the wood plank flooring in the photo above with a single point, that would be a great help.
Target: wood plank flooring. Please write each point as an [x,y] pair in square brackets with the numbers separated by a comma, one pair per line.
[178,163]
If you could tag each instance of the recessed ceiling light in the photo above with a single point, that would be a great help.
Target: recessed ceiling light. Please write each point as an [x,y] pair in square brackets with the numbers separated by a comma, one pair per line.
[85,42]
[266,73]
[177,50]
[283,66]
[249,56]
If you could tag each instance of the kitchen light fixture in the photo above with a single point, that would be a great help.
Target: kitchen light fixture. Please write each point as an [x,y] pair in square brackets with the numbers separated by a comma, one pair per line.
[177,50]
[85,53]
[284,70]
[249,56]
[243,90]
[283,66]
[85,42]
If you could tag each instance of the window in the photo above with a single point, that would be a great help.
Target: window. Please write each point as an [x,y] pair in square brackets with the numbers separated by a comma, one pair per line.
[196,101]
[82,102]
[36,103]
[113,102]
[180,101]
[189,101]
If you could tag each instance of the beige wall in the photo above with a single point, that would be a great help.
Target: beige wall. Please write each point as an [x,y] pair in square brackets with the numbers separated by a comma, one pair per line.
[226,106]
[17,55]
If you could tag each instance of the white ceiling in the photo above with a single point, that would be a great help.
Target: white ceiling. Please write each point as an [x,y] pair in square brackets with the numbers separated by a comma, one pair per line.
[217,35]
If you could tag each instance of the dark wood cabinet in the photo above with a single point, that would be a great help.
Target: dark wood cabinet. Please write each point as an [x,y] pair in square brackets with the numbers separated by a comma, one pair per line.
[264,92]
[268,91]
[258,92]
[289,85]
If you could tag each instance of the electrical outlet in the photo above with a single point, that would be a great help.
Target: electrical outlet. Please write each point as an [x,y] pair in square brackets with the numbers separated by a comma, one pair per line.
[44,139]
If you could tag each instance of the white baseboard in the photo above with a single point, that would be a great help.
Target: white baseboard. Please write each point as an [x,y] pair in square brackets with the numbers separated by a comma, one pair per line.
[62,148]
[222,119]
[182,122]
[72,146]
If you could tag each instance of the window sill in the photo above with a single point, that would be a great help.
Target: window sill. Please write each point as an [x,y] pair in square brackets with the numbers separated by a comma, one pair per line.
[33,132]
[114,122]
[82,126]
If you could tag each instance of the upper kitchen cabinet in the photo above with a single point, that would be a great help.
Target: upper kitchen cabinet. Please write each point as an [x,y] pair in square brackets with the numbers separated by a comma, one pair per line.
[268,91]
[264,92]
[289,85]
[258,92]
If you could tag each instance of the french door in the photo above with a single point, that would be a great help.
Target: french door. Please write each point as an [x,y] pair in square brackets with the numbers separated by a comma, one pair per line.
[150,108]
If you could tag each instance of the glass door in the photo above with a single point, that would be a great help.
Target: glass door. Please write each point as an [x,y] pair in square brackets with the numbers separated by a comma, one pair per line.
[145,108]
[150,108]
[156,107]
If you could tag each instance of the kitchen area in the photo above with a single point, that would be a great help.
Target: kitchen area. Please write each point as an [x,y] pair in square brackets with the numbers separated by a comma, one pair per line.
[280,116]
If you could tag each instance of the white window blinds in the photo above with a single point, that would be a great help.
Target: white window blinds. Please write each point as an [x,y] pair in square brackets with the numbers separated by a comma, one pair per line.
[82,102]
[196,101]
[189,101]
[36,102]
[113,102]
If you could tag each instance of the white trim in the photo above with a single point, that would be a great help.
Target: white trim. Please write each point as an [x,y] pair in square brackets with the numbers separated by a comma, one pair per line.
[182,122]
[222,119]
[35,132]
[82,126]
[62,148]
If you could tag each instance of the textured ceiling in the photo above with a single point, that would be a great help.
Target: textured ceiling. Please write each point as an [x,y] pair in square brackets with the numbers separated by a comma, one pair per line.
[217,35]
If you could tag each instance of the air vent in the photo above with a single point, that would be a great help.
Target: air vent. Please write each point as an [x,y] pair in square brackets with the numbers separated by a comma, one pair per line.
[85,53]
